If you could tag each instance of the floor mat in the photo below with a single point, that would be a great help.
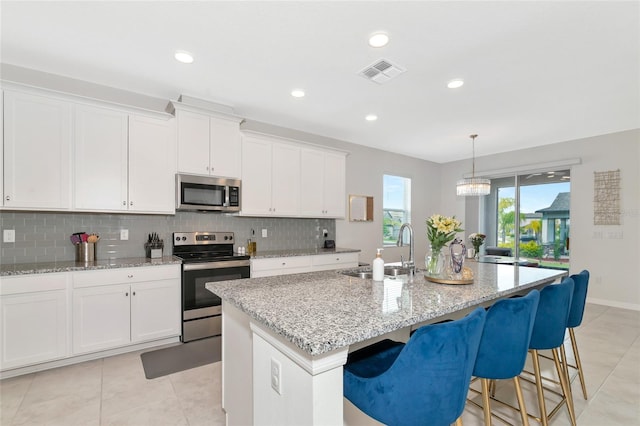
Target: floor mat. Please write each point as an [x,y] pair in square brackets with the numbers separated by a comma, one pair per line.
[182,357]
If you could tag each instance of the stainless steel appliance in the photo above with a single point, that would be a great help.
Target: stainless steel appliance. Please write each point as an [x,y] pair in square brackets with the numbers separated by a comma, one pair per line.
[207,193]
[206,257]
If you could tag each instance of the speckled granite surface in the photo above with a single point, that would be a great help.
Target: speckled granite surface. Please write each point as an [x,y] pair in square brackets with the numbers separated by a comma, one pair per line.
[323,311]
[300,252]
[43,268]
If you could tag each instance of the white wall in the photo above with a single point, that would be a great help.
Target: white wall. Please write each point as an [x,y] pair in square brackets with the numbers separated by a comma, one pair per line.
[613,262]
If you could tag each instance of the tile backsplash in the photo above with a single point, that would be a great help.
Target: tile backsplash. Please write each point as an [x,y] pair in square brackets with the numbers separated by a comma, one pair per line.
[44,237]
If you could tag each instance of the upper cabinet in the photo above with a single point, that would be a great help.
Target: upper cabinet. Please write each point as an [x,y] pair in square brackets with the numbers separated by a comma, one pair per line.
[208,142]
[37,151]
[63,153]
[123,162]
[270,177]
[322,183]
[290,179]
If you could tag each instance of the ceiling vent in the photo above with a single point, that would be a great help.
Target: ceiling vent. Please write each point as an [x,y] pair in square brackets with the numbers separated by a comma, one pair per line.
[381,71]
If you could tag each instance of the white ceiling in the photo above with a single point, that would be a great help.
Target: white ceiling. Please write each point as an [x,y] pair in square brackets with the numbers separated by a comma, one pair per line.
[535,73]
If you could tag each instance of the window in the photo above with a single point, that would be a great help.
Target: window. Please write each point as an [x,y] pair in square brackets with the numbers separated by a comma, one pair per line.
[543,217]
[396,206]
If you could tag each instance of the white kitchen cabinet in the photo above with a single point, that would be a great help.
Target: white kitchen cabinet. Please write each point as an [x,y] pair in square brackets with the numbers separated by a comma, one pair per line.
[118,307]
[324,262]
[270,177]
[152,165]
[322,183]
[34,318]
[123,162]
[209,144]
[100,160]
[37,151]
[271,266]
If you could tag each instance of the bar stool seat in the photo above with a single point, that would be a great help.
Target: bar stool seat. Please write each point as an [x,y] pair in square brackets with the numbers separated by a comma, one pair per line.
[422,382]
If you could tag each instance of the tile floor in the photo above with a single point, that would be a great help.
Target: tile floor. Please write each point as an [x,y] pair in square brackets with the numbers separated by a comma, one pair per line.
[114,391]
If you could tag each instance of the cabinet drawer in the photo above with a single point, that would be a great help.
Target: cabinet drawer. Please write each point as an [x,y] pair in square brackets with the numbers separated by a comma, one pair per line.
[125,275]
[280,263]
[337,259]
[33,283]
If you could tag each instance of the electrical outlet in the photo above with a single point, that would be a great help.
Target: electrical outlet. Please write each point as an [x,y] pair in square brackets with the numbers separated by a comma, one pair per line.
[264,233]
[124,234]
[276,376]
[9,236]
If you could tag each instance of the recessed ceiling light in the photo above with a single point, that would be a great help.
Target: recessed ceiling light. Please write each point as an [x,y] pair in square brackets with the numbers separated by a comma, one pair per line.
[371,117]
[183,56]
[297,93]
[378,40]
[454,84]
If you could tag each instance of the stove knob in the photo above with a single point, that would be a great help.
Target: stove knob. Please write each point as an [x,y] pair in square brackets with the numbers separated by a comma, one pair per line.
[230,237]
[177,238]
[184,238]
[226,238]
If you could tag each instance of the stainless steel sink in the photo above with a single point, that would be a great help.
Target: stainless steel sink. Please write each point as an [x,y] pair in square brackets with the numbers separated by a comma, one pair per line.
[367,275]
[394,271]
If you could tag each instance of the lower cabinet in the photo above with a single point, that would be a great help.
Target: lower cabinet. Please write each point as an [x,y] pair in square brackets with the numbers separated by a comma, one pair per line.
[119,307]
[34,319]
[272,266]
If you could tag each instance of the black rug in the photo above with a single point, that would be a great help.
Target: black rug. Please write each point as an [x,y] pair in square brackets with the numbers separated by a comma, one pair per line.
[182,357]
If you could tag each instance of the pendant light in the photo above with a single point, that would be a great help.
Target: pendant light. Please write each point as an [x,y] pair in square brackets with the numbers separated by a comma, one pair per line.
[473,186]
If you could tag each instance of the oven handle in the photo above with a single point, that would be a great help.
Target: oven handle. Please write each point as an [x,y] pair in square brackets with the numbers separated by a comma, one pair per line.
[215,265]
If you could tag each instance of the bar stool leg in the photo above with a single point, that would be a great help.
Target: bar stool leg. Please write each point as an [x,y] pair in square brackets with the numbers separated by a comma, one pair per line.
[486,404]
[541,404]
[459,421]
[574,345]
[523,409]
[564,385]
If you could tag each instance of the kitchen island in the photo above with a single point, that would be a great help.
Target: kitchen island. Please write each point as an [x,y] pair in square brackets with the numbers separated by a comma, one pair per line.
[286,338]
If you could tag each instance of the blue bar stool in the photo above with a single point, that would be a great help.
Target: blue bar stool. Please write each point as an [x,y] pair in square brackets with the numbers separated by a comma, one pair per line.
[548,333]
[422,382]
[581,284]
[504,346]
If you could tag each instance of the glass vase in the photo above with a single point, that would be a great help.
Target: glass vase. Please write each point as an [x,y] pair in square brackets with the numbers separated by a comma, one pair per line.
[434,261]
[476,252]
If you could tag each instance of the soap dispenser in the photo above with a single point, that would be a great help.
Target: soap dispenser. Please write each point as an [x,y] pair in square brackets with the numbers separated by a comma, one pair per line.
[378,267]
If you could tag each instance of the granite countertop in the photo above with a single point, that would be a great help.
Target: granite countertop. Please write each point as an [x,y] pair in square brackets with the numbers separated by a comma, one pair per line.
[66,266]
[323,311]
[264,254]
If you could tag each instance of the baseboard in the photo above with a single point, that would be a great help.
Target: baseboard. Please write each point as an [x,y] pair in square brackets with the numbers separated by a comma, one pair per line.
[614,304]
[85,357]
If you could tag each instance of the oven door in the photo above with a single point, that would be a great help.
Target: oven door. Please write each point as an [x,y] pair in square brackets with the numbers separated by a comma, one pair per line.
[201,309]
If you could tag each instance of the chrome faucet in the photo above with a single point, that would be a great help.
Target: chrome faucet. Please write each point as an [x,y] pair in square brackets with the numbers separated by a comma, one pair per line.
[411,263]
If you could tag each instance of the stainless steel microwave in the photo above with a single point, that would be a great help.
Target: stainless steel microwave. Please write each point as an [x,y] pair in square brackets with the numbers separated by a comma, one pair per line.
[207,193]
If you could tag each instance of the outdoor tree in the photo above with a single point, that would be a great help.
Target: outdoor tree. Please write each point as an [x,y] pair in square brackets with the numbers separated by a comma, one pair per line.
[506,217]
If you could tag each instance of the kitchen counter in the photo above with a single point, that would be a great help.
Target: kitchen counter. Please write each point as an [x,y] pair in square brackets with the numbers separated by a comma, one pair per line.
[303,326]
[66,266]
[264,254]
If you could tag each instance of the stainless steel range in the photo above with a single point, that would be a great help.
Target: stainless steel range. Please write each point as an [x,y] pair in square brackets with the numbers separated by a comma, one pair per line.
[206,257]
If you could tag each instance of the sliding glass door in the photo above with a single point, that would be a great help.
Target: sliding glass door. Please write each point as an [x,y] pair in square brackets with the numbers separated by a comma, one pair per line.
[534,210]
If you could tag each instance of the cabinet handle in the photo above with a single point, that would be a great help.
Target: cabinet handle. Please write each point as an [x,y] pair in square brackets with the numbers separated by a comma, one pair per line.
[134,293]
[131,203]
[124,203]
[207,168]
[8,198]
[126,294]
[130,276]
[284,263]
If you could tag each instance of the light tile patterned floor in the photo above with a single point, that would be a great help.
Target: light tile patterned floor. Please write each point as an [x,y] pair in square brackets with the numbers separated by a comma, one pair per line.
[114,391]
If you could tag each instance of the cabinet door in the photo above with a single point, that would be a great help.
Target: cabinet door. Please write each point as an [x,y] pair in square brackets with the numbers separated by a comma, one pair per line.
[225,147]
[152,165]
[334,185]
[311,183]
[285,180]
[256,176]
[37,151]
[101,318]
[193,142]
[100,160]
[155,310]
[33,328]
